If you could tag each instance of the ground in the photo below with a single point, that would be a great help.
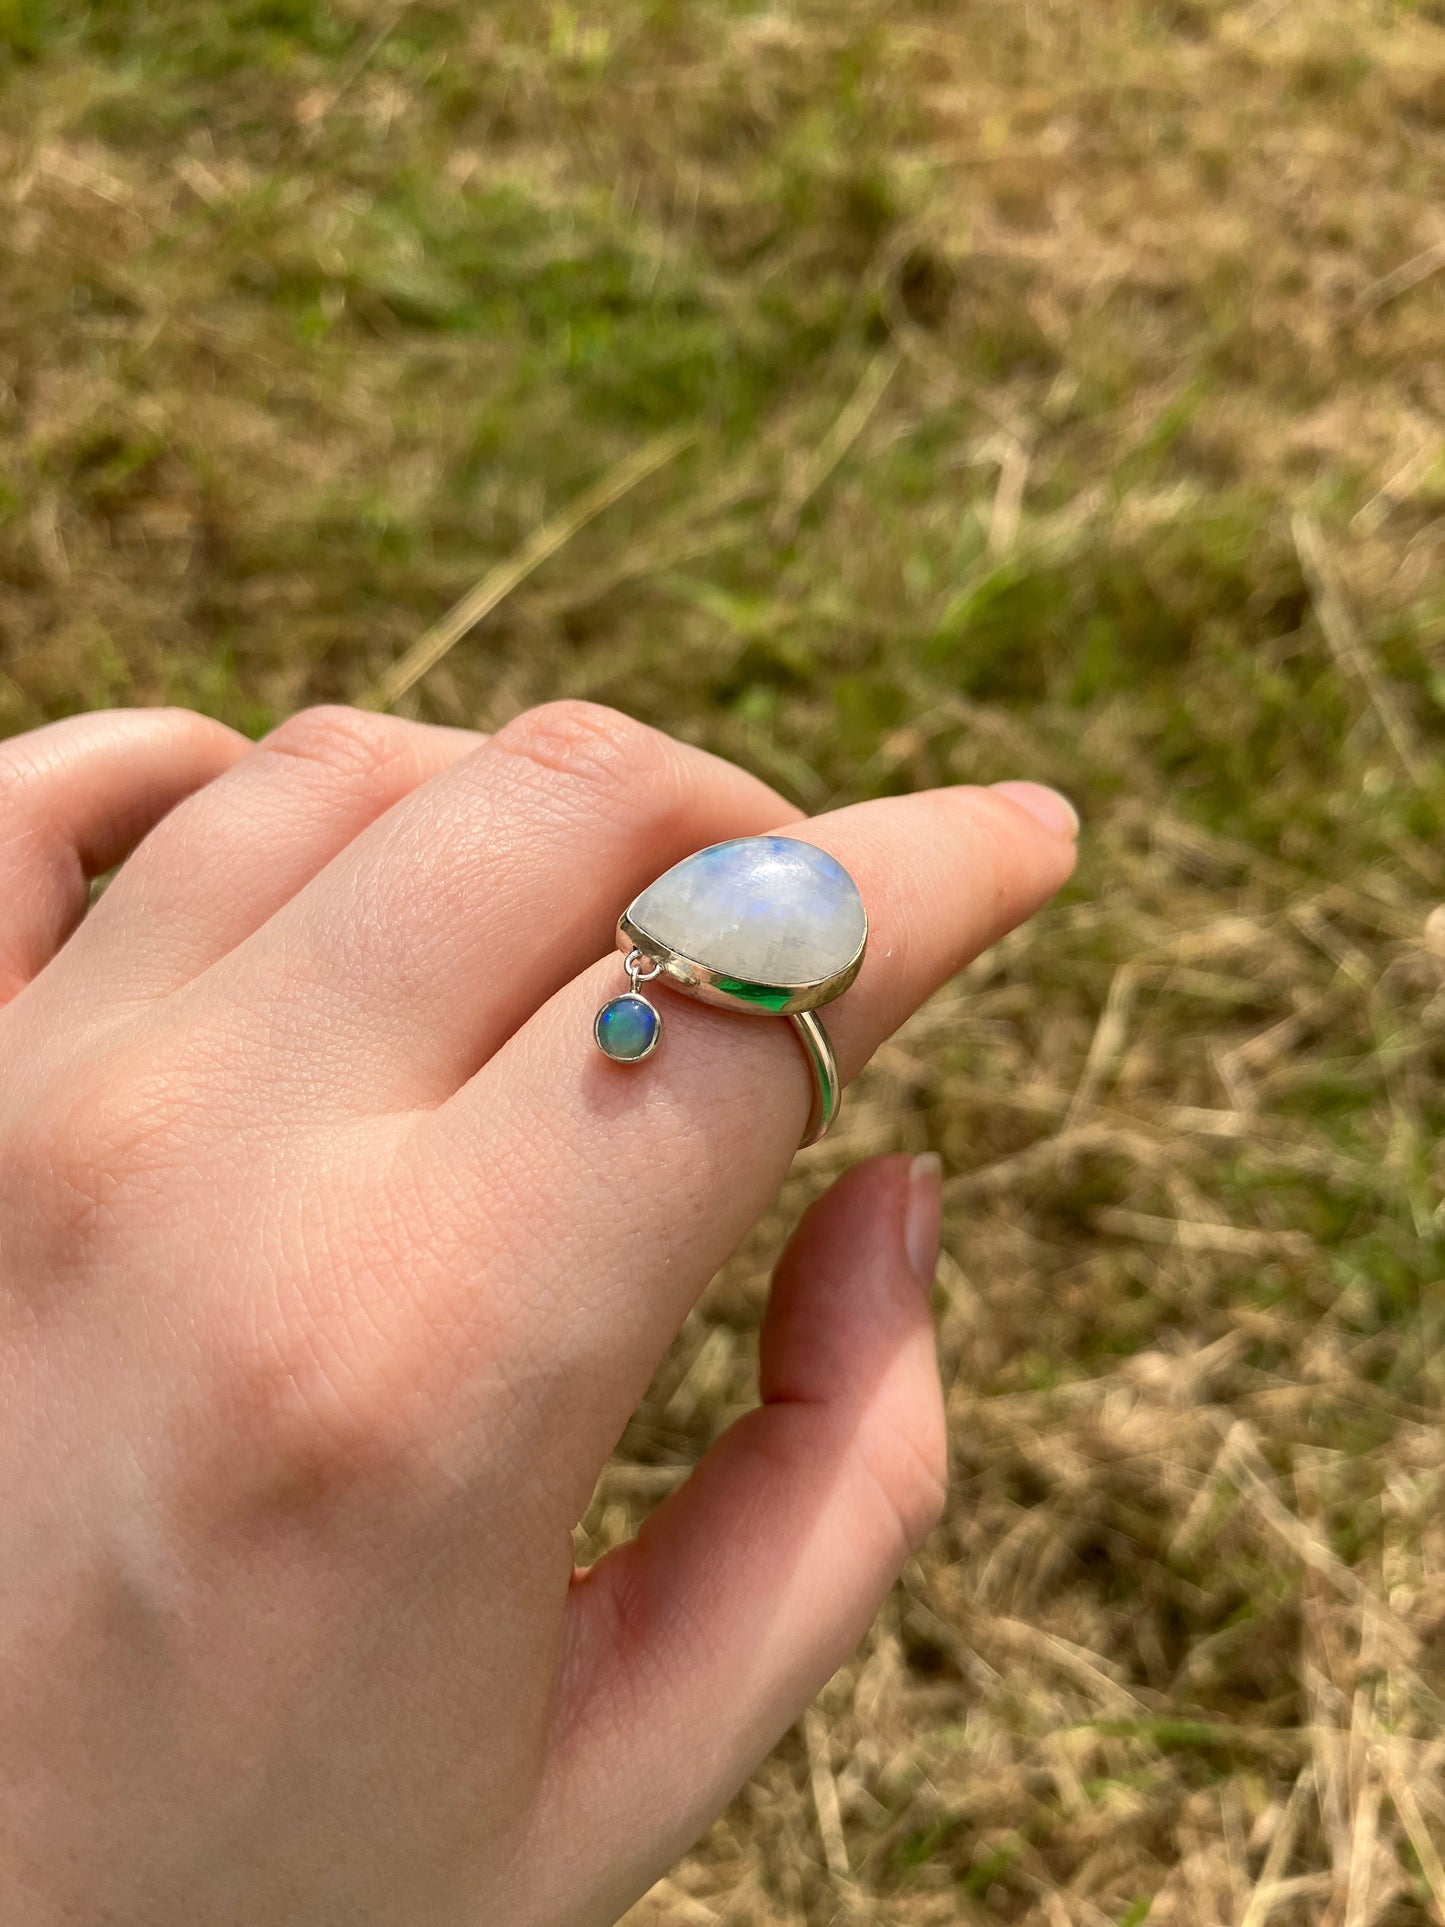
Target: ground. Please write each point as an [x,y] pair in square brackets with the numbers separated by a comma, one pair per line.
[885,394]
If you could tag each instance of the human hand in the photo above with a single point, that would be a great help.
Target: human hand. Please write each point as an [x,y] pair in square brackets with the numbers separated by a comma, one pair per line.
[333,1260]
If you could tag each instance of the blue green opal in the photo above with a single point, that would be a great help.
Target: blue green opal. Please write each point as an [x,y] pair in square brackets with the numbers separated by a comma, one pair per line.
[627,1028]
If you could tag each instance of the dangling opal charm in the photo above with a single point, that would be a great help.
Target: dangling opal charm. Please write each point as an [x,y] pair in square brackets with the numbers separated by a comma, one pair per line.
[768,925]
[629,1028]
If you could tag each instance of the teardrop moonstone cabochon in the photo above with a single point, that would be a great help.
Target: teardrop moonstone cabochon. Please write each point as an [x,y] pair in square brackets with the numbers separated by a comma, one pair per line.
[767,910]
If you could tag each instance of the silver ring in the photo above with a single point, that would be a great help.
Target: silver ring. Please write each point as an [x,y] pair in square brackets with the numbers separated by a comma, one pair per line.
[768,926]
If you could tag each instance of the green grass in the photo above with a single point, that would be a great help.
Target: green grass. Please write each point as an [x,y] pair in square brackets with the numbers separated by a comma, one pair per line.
[1061,386]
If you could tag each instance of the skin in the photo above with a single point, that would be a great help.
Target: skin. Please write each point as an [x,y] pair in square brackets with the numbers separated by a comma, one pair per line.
[333,1260]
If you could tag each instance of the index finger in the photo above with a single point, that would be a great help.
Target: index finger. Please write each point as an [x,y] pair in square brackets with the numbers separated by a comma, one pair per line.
[641,1179]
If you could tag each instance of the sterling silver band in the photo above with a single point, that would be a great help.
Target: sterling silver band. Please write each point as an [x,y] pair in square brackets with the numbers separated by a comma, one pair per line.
[827,1091]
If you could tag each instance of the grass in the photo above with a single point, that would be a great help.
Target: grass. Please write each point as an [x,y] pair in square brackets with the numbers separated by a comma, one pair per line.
[1056,390]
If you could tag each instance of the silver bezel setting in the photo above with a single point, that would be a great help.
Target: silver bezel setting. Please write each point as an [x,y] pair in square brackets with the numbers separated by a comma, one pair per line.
[733,993]
[798,1002]
[656,1038]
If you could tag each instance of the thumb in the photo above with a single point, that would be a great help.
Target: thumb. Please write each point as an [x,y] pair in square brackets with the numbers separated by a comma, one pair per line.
[691,1650]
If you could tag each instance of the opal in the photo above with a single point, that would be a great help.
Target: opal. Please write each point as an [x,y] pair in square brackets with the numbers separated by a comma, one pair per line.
[627,1028]
[767,910]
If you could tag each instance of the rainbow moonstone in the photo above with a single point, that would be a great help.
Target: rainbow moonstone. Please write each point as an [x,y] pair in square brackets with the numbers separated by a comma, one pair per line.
[767,910]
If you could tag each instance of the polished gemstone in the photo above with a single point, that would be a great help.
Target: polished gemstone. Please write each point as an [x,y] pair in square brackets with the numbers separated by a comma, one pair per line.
[766,910]
[627,1028]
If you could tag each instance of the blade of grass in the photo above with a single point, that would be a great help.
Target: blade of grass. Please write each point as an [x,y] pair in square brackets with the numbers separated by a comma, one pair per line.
[498,583]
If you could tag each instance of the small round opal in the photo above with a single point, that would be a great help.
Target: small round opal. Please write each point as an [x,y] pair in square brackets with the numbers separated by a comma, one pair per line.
[627,1028]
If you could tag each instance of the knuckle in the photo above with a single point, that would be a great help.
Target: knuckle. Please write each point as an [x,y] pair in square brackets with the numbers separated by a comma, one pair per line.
[185,722]
[122,1120]
[73,1157]
[344,742]
[307,1425]
[610,755]
[191,731]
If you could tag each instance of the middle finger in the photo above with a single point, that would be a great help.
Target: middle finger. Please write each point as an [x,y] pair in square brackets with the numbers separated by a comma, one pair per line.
[421,947]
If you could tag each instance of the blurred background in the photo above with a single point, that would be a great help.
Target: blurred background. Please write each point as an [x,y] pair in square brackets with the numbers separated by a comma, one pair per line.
[888,393]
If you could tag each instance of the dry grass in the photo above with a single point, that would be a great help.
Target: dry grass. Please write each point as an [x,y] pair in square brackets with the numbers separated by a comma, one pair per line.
[1057,389]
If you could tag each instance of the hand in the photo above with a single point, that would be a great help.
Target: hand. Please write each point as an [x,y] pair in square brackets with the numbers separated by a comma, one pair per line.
[333,1260]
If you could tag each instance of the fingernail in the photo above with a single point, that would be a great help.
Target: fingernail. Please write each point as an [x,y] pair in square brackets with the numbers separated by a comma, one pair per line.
[923,1215]
[1046,806]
